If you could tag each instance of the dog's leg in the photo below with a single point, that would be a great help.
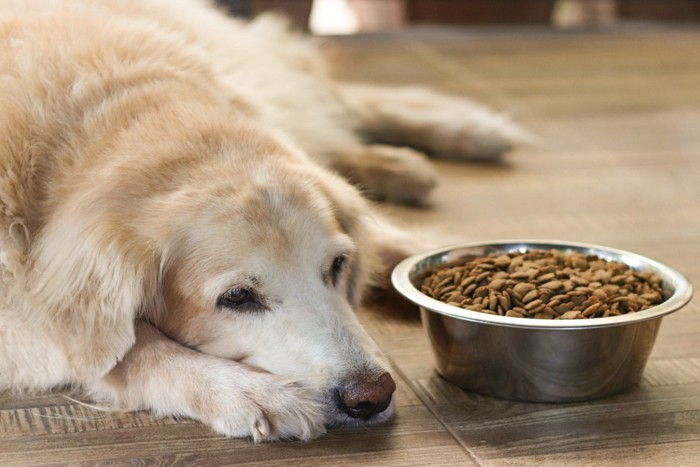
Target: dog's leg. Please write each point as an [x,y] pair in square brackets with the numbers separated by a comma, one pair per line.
[234,399]
[442,125]
[386,173]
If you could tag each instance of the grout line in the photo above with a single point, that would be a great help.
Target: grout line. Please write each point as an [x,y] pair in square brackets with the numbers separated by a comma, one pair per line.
[452,432]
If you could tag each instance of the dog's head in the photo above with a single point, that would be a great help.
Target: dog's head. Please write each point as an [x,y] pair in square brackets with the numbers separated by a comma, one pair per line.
[265,260]
[230,242]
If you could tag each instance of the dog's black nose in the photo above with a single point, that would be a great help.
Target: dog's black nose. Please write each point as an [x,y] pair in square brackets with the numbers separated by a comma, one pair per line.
[364,397]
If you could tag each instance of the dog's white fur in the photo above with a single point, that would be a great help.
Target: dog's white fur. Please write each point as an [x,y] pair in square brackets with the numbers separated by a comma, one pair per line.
[156,155]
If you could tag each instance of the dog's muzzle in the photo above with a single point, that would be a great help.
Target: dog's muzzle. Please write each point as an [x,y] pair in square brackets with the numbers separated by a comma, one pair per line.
[365,397]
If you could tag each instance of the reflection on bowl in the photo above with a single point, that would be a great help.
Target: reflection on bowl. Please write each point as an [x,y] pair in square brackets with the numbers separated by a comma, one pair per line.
[533,359]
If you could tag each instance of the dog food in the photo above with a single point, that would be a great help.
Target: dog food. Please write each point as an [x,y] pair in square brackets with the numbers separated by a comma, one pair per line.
[545,284]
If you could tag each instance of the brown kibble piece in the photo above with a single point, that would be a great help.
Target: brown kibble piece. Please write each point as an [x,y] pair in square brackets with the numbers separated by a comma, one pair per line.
[591,309]
[553,285]
[573,314]
[530,296]
[523,288]
[534,304]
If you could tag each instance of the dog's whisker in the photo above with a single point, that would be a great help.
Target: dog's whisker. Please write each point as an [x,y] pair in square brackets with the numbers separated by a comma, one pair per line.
[90,406]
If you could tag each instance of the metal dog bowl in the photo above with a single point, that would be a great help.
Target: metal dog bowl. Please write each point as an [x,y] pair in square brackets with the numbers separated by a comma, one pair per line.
[539,360]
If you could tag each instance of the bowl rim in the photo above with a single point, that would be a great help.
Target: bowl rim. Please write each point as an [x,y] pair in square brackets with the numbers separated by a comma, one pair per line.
[682,288]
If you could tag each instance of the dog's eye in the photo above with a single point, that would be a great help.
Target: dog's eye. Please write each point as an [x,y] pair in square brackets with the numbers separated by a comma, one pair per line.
[337,268]
[239,298]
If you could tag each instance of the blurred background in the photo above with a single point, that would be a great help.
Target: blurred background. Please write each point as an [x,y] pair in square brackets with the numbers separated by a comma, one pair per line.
[352,16]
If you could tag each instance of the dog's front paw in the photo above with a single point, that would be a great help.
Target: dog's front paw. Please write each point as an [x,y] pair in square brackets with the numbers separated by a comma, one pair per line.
[235,399]
[261,406]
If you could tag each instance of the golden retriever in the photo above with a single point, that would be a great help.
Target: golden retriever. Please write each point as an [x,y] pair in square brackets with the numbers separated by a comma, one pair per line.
[173,234]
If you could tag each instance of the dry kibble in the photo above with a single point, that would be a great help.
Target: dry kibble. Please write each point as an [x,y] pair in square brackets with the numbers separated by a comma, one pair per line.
[553,285]
[544,284]
[601,294]
[521,288]
[534,304]
[573,314]
[591,309]
[543,316]
[530,296]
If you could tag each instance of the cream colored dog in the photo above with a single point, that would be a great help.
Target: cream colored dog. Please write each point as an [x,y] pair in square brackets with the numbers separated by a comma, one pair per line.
[166,241]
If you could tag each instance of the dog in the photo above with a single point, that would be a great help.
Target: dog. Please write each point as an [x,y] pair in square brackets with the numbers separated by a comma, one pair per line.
[184,215]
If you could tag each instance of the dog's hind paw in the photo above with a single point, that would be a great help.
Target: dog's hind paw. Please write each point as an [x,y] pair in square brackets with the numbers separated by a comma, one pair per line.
[442,125]
[479,135]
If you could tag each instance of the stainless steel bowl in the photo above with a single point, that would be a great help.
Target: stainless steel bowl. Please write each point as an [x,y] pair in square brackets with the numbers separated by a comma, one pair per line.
[539,360]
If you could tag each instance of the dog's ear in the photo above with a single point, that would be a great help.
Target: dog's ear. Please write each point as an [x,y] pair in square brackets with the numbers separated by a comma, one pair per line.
[380,245]
[88,279]
[391,245]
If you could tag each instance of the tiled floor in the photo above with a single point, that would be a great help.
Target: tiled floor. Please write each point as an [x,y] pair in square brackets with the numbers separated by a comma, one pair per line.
[618,164]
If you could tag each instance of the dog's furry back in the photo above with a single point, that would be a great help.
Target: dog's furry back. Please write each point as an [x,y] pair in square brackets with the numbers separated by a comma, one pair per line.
[76,73]
[52,75]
